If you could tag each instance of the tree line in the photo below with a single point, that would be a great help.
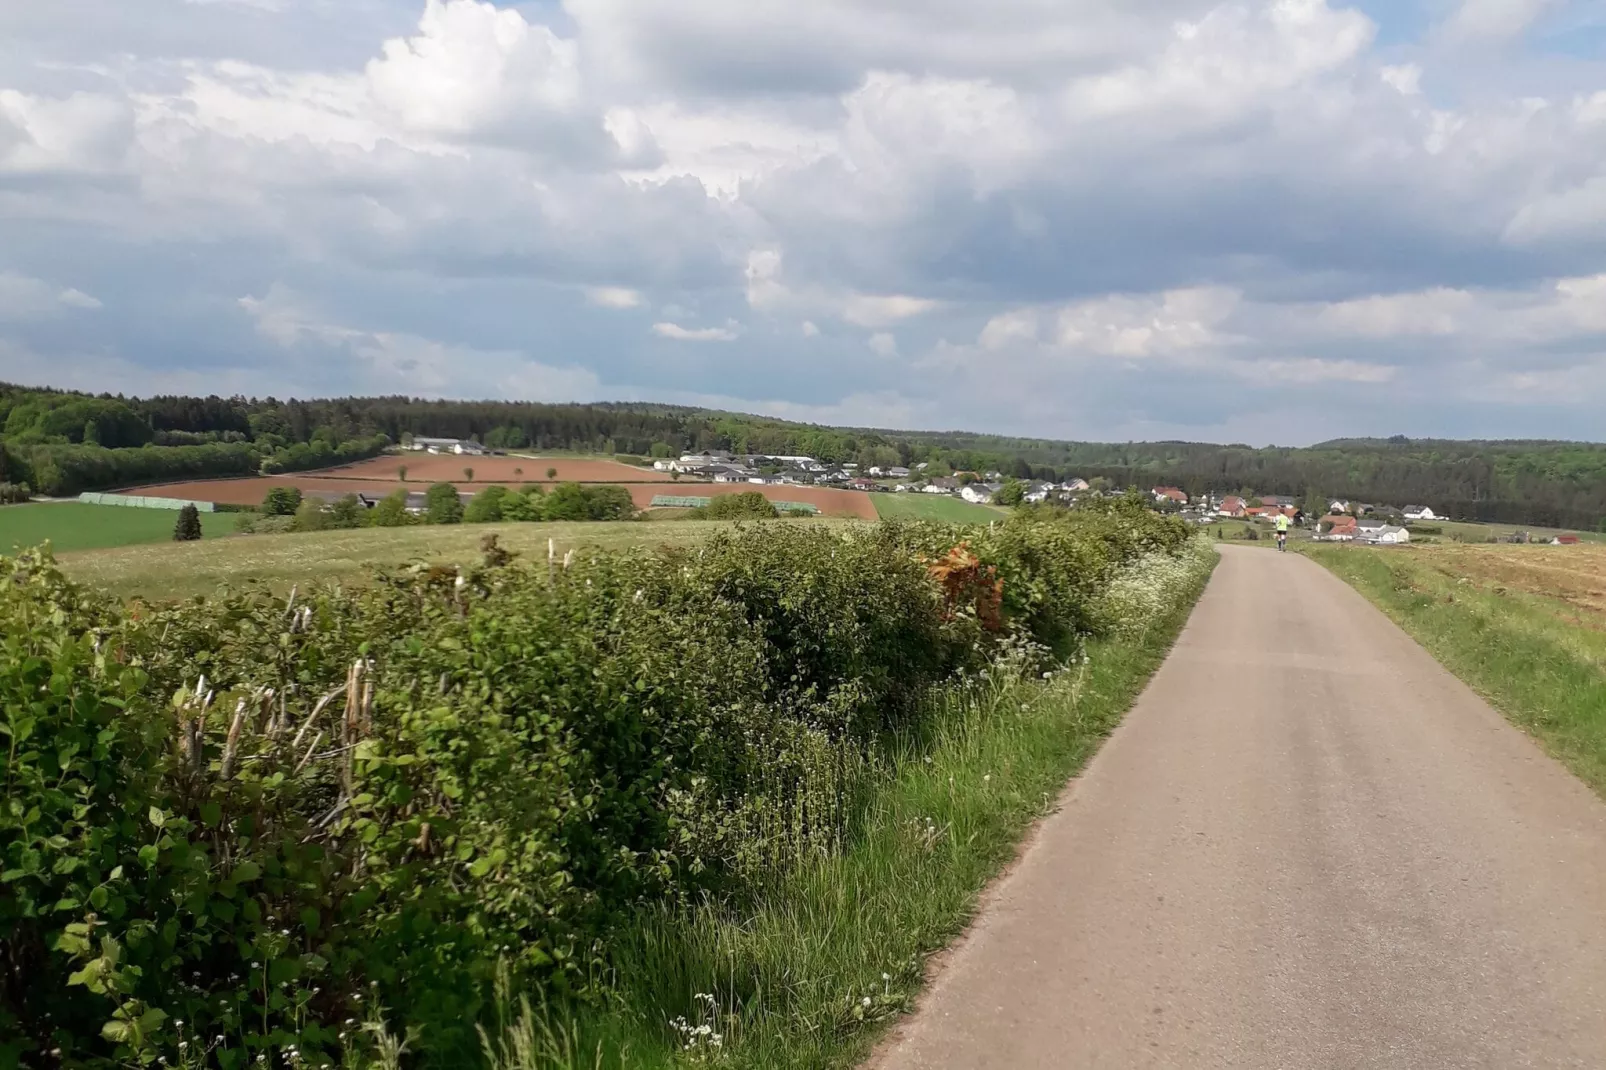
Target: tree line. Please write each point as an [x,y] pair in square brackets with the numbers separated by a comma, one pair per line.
[1559,484]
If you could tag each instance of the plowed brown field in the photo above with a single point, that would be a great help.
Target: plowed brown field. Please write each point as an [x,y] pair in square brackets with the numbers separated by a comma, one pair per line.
[448,468]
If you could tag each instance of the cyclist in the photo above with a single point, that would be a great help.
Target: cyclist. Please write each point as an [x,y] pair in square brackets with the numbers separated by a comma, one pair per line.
[1282,532]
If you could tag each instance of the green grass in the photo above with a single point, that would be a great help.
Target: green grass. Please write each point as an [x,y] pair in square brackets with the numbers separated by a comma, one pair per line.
[71,526]
[790,974]
[915,506]
[1530,655]
[1458,531]
[179,570]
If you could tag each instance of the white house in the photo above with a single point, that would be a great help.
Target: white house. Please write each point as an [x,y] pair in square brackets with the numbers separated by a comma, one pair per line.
[1075,486]
[448,445]
[1420,512]
[1039,492]
[898,472]
[1338,505]
[980,493]
[1384,534]
[945,485]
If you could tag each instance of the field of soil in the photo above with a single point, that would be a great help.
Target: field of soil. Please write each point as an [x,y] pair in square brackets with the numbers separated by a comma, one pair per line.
[1575,575]
[448,468]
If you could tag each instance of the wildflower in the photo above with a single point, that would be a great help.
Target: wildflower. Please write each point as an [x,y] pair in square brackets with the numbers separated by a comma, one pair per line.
[886,976]
[865,1002]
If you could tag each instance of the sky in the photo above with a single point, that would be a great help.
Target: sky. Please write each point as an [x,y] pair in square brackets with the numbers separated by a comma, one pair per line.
[1263,221]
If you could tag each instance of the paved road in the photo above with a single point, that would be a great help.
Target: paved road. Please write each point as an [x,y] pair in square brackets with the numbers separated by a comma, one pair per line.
[1308,846]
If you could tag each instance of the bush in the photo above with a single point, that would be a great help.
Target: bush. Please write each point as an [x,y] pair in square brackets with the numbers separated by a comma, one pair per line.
[312,515]
[14,493]
[486,506]
[443,505]
[281,501]
[260,816]
[391,511]
[188,526]
[347,512]
[748,505]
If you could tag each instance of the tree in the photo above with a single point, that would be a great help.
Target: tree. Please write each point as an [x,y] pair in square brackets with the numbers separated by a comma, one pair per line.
[486,506]
[312,516]
[1013,492]
[401,473]
[552,473]
[468,475]
[391,512]
[660,450]
[442,505]
[519,472]
[282,501]
[347,512]
[92,434]
[188,528]
[1315,504]
[524,507]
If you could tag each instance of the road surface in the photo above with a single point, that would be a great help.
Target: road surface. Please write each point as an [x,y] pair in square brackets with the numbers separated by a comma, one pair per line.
[1308,846]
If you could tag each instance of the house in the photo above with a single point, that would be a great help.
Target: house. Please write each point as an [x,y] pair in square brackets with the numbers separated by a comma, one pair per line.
[864,484]
[1420,512]
[1232,505]
[723,474]
[1038,492]
[877,470]
[922,466]
[1338,505]
[1564,540]
[1075,486]
[1389,535]
[896,472]
[1173,494]
[1338,527]
[980,493]
[448,445]
[942,485]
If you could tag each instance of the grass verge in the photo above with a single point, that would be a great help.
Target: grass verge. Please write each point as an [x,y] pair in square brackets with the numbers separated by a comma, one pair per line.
[1534,657]
[810,974]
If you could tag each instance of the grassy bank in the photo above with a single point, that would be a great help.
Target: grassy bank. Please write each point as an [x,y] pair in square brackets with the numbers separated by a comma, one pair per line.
[809,976]
[1521,625]
[70,526]
[939,507]
[281,561]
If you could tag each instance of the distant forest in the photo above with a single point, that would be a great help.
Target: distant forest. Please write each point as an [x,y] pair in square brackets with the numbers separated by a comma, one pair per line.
[62,443]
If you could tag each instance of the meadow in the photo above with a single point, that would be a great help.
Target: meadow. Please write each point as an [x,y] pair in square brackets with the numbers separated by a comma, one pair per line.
[74,526]
[939,507]
[703,803]
[1525,626]
[279,562]
[1458,531]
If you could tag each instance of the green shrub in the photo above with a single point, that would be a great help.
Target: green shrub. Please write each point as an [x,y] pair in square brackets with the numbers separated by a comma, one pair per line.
[254,814]
[188,526]
[486,506]
[443,505]
[748,505]
[391,511]
[281,501]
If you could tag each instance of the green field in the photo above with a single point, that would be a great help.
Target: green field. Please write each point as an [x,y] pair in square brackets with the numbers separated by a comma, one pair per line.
[933,507]
[1457,531]
[70,526]
[179,570]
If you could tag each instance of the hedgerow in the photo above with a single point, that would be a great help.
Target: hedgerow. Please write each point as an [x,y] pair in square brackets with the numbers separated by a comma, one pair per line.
[261,817]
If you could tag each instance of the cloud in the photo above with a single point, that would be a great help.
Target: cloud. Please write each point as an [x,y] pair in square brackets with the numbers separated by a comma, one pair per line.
[23,298]
[864,310]
[613,297]
[727,333]
[1095,218]
[1495,19]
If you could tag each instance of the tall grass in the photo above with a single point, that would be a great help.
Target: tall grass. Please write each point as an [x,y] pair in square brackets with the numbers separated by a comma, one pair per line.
[808,973]
[1521,651]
